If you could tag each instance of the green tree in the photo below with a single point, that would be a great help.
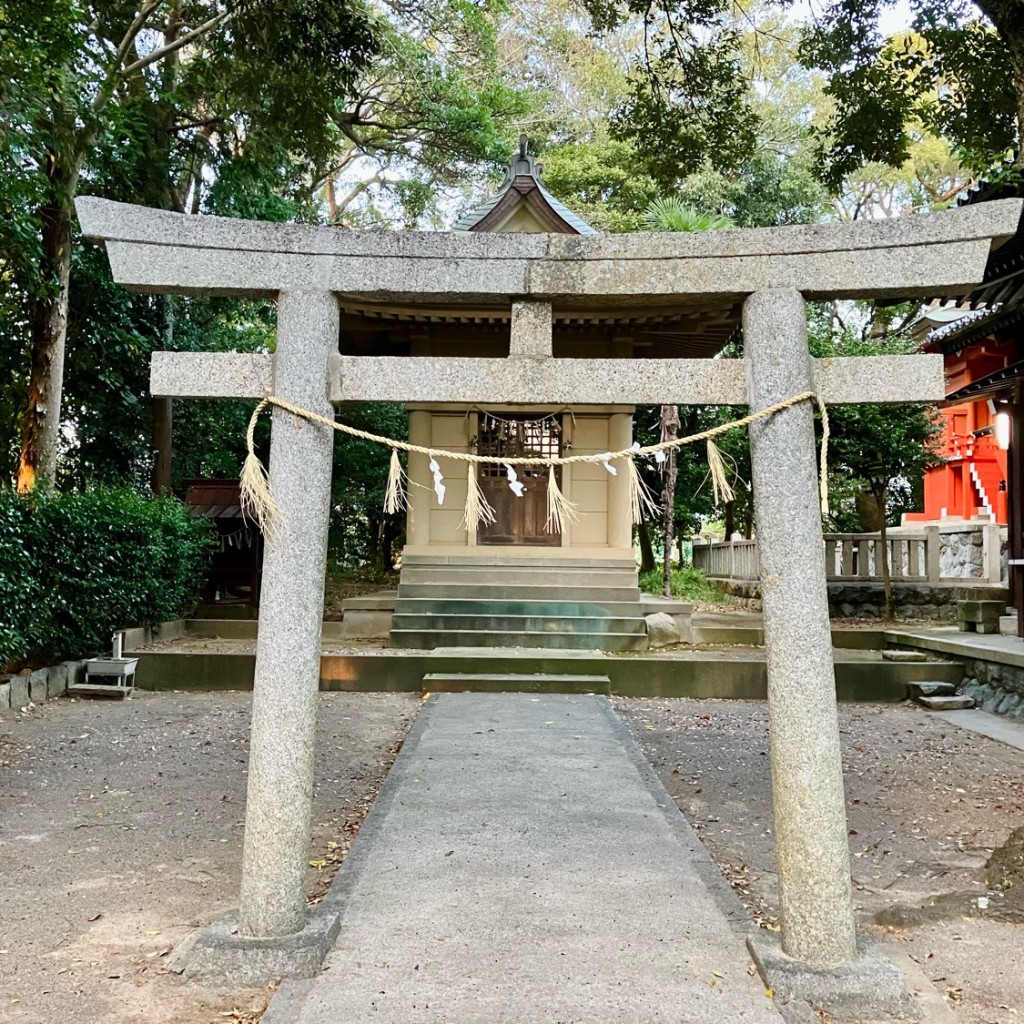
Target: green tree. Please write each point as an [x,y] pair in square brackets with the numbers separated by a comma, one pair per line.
[957,72]
[250,108]
[876,448]
[79,77]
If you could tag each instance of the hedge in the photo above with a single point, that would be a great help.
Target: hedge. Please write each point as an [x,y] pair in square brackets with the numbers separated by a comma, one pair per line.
[76,567]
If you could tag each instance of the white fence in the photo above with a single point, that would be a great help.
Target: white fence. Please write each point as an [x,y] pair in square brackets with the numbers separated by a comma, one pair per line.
[932,554]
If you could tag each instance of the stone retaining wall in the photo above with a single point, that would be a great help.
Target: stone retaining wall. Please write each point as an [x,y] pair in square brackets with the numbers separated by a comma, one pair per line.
[18,692]
[996,688]
[962,554]
[914,602]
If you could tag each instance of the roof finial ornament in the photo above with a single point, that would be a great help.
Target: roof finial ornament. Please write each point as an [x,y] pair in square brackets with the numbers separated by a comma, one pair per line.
[524,145]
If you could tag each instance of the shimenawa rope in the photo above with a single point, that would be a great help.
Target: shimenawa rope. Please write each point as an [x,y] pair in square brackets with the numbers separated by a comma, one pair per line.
[258,503]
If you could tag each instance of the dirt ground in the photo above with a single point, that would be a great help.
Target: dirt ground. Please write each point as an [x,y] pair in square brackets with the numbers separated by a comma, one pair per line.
[928,802]
[121,830]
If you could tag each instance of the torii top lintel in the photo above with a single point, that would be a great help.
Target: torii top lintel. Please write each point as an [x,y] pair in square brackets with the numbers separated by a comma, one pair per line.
[154,250]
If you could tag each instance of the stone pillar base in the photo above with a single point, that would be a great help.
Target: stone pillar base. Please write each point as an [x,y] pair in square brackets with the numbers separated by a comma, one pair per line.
[870,987]
[219,956]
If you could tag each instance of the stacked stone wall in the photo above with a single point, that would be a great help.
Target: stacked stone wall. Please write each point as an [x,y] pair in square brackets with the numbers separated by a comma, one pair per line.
[914,602]
[996,688]
[18,692]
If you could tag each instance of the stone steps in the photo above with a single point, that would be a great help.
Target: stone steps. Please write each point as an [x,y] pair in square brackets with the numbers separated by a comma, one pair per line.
[512,682]
[490,575]
[468,606]
[482,621]
[483,601]
[430,638]
[520,592]
[483,560]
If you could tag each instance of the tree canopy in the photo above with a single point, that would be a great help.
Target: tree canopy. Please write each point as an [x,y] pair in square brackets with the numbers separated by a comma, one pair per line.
[390,114]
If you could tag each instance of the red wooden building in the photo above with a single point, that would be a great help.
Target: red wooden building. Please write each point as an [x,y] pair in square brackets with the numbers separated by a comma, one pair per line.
[971,481]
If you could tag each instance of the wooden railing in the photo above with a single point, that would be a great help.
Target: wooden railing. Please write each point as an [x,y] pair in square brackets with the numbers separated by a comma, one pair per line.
[914,556]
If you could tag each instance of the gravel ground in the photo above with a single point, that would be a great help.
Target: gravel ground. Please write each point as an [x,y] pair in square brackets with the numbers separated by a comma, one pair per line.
[927,803]
[121,830]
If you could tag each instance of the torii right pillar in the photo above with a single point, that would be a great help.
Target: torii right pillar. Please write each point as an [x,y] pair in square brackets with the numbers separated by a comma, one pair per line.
[819,940]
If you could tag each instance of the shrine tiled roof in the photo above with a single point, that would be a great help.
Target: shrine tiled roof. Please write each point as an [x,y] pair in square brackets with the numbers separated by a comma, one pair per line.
[523,185]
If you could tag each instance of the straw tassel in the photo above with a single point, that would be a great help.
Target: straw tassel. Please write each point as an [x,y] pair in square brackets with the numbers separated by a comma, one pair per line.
[719,475]
[560,509]
[256,501]
[394,493]
[823,483]
[642,501]
[478,510]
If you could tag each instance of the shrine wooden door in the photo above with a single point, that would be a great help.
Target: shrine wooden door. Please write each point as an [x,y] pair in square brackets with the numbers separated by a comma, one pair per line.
[519,520]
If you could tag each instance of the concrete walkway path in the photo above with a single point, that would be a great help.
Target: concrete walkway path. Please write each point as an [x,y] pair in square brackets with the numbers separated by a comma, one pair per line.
[523,864]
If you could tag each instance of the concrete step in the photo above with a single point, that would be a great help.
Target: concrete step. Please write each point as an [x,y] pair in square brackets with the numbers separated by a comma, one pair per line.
[480,558]
[500,623]
[897,655]
[428,639]
[515,576]
[500,591]
[469,606]
[955,702]
[512,682]
[931,689]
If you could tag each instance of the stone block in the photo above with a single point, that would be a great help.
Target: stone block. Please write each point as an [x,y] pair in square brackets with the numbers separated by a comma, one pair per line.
[870,987]
[991,702]
[979,616]
[952,702]
[931,689]
[5,694]
[19,692]
[219,955]
[56,680]
[662,630]
[76,672]
[1009,705]
[895,655]
[37,686]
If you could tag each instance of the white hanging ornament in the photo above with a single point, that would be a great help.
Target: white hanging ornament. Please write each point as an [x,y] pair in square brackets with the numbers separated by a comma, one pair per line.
[439,487]
[605,461]
[660,457]
[514,483]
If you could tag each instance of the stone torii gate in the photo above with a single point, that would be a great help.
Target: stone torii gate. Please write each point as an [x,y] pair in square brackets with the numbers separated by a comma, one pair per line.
[770,271]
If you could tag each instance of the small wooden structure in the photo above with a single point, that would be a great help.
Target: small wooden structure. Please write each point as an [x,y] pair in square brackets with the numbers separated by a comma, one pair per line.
[237,564]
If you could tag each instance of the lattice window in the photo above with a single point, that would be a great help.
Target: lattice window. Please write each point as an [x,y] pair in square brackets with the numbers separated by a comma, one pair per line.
[518,437]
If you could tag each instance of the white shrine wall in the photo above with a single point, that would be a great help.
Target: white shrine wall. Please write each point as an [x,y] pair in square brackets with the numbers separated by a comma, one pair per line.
[603,529]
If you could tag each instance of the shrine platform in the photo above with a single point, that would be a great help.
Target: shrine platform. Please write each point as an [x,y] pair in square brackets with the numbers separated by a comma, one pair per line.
[728,661]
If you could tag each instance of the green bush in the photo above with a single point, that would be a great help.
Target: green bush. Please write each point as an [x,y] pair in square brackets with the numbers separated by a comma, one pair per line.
[19,582]
[96,562]
[688,583]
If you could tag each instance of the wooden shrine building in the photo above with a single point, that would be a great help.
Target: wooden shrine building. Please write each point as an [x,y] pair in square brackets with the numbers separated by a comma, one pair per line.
[515,582]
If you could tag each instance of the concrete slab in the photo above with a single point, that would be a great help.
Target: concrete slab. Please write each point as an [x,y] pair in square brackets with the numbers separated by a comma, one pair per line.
[995,727]
[529,867]
[1006,650]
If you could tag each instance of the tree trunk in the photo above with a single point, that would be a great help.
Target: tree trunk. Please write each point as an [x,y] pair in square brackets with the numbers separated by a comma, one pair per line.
[669,432]
[869,512]
[163,417]
[647,560]
[41,426]
[163,423]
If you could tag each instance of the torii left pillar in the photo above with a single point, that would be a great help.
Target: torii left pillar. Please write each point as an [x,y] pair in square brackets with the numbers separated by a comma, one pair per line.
[280,787]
